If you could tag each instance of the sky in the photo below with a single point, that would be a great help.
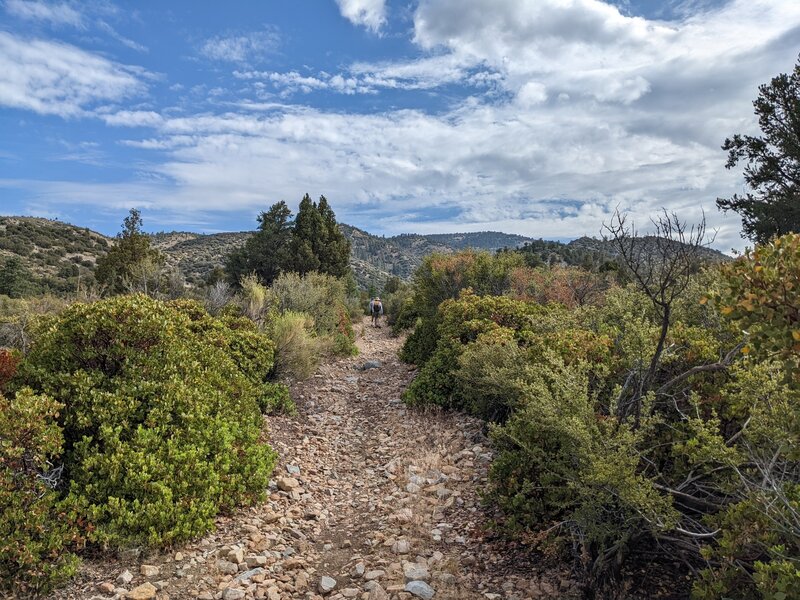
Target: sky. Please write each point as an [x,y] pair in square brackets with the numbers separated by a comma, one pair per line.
[537,117]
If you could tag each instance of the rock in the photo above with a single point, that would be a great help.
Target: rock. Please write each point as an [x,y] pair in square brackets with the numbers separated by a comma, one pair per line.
[415,572]
[125,577]
[378,593]
[233,594]
[178,556]
[146,591]
[370,364]
[401,547]
[420,589]
[236,555]
[255,561]
[326,584]
[227,567]
[249,574]
[293,469]
[350,592]
[287,484]
[375,574]
[106,587]
[205,596]
[149,570]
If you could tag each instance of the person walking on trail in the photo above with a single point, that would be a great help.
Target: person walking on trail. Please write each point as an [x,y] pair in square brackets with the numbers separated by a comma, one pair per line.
[375,310]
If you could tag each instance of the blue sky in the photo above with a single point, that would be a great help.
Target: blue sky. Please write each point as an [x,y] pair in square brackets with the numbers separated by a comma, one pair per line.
[537,117]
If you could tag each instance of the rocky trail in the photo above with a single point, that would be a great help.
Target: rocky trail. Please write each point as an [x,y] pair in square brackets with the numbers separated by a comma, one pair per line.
[369,500]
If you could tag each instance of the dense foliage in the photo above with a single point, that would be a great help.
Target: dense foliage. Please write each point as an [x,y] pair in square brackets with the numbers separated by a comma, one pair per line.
[706,469]
[313,242]
[772,162]
[131,264]
[160,417]
[37,528]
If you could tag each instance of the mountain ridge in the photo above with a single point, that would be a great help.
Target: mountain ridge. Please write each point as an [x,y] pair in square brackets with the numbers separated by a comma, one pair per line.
[59,254]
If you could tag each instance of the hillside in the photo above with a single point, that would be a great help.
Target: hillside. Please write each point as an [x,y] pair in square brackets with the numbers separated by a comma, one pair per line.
[58,253]
[55,254]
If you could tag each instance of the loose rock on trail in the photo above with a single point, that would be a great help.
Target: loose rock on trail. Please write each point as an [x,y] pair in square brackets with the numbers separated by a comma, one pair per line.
[369,500]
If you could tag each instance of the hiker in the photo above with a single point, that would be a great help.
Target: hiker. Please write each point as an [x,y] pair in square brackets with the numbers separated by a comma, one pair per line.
[376,310]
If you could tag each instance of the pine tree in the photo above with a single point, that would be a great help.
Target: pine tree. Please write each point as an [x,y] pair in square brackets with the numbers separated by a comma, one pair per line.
[267,252]
[772,168]
[129,258]
[14,278]
[335,255]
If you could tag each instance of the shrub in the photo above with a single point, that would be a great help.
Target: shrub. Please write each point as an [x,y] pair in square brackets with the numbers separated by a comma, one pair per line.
[297,350]
[37,531]
[9,363]
[161,426]
[325,298]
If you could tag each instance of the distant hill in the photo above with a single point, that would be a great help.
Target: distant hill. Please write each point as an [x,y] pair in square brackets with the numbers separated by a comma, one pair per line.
[589,252]
[59,255]
[56,254]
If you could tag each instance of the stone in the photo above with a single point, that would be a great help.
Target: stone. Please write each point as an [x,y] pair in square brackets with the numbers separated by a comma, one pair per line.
[236,555]
[293,469]
[146,591]
[256,560]
[420,589]
[178,556]
[233,594]
[227,567]
[374,574]
[249,574]
[106,587]
[415,572]
[326,584]
[149,570]
[378,593]
[205,596]
[401,547]
[125,577]
[370,364]
[350,592]
[287,484]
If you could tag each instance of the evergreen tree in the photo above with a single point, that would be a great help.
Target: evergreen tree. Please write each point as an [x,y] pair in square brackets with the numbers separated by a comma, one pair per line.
[129,259]
[14,278]
[335,254]
[772,170]
[267,252]
[308,238]
[313,242]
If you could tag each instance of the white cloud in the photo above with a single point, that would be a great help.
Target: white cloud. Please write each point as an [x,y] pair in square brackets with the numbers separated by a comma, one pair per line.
[55,78]
[132,118]
[367,13]
[243,47]
[56,13]
[595,110]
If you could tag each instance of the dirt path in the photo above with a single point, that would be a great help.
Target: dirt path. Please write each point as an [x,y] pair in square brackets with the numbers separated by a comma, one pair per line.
[369,497]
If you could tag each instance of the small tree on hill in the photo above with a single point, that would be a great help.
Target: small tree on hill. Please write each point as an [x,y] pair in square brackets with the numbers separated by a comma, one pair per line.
[129,260]
[772,168]
[14,278]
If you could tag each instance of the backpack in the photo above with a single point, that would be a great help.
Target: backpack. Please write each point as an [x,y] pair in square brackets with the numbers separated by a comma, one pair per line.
[376,307]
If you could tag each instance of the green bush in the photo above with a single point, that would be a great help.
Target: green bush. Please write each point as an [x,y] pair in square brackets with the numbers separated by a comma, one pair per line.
[324,298]
[251,350]
[297,349]
[161,426]
[37,529]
